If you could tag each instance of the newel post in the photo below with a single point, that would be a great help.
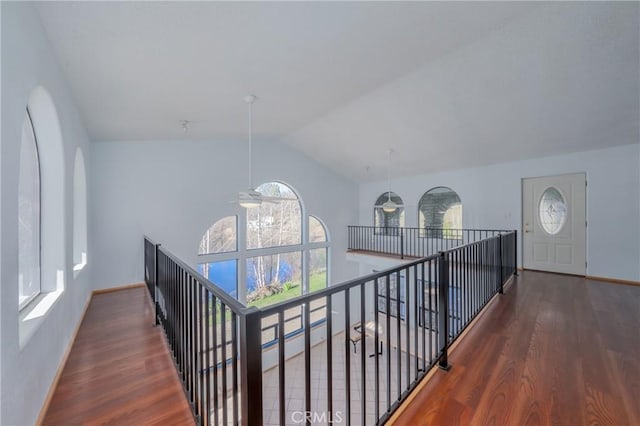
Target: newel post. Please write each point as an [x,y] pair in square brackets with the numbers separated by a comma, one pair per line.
[515,252]
[251,367]
[443,312]
[156,299]
[501,276]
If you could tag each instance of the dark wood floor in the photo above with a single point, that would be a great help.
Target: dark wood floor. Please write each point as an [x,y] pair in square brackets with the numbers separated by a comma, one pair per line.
[119,370]
[555,350]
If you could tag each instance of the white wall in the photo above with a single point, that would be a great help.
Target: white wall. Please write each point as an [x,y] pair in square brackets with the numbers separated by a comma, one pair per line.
[173,191]
[491,198]
[27,371]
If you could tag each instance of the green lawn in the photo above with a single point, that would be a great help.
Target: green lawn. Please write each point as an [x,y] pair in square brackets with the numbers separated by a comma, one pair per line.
[316,282]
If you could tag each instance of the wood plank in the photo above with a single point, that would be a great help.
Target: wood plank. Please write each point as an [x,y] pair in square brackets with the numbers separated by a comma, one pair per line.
[119,370]
[554,349]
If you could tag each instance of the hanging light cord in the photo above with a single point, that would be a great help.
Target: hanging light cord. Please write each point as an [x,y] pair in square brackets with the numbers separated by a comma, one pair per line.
[389,176]
[250,141]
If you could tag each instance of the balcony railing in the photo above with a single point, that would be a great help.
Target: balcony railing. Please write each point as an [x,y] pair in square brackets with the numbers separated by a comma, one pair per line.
[413,242]
[382,333]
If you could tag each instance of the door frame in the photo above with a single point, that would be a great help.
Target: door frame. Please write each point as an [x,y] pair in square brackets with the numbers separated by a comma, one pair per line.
[586,218]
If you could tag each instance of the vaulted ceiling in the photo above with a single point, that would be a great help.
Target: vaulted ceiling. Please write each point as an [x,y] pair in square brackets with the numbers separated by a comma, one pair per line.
[446,84]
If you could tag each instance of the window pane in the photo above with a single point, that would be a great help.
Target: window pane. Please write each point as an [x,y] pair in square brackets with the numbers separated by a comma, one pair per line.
[223,274]
[79,213]
[221,237]
[274,224]
[273,278]
[317,281]
[28,217]
[396,295]
[317,233]
[317,269]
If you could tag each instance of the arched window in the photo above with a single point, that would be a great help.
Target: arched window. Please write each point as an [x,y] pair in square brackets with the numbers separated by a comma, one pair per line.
[275,224]
[275,262]
[79,213]
[41,214]
[440,210]
[388,220]
[28,216]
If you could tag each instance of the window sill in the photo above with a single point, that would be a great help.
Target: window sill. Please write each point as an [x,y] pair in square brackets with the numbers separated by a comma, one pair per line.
[32,315]
[77,268]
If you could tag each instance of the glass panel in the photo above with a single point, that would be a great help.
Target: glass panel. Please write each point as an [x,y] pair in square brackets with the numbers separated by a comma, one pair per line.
[275,224]
[273,278]
[395,296]
[28,217]
[552,210]
[317,281]
[221,237]
[79,213]
[223,274]
[440,208]
[317,269]
[317,233]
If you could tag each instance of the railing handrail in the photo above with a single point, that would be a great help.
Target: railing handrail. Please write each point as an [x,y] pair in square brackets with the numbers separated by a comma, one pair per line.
[484,240]
[151,241]
[225,298]
[430,228]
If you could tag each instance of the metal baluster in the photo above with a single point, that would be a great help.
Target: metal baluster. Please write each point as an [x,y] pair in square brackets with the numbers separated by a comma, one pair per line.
[347,355]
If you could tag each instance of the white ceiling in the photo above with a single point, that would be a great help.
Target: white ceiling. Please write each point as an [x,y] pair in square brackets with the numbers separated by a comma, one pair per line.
[448,85]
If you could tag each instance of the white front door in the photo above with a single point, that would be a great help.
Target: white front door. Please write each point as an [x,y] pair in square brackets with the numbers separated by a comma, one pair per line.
[554,223]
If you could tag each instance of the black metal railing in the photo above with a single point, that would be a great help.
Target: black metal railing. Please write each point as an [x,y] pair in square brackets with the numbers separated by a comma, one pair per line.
[379,336]
[412,242]
[150,266]
[202,325]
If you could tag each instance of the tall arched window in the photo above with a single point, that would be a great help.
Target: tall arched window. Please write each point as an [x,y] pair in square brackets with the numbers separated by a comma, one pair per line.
[440,208]
[28,216]
[41,213]
[388,221]
[79,213]
[276,261]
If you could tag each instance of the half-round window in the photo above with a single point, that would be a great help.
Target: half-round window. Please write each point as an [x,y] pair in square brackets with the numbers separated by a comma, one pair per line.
[275,224]
[552,211]
[440,208]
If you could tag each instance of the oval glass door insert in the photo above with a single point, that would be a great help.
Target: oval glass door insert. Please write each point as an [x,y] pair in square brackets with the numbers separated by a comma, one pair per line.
[552,211]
